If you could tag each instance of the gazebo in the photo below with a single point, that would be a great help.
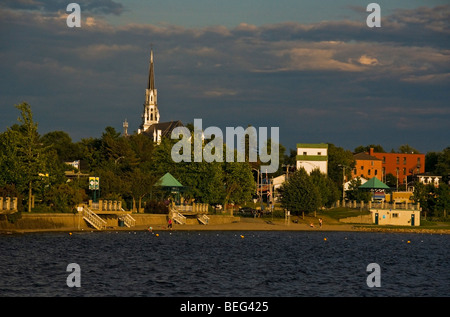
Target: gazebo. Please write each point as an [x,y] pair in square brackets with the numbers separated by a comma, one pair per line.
[376,186]
[172,185]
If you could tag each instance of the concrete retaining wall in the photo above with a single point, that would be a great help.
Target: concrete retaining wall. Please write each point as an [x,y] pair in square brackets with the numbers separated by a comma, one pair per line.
[66,221]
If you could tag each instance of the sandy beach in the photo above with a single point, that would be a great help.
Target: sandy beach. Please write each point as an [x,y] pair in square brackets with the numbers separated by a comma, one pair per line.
[251,224]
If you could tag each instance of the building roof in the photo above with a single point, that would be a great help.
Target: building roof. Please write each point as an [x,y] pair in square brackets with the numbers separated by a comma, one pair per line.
[169,181]
[313,145]
[363,156]
[165,127]
[374,183]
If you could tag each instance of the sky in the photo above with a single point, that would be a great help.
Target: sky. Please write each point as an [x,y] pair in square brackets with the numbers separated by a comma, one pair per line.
[312,68]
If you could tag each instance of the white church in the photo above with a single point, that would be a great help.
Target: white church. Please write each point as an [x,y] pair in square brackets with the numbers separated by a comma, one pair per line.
[150,116]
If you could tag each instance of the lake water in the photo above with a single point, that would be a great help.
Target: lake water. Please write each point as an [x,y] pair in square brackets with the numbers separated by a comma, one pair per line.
[203,263]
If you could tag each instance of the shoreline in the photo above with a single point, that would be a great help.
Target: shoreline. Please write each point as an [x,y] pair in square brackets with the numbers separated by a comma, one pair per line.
[243,225]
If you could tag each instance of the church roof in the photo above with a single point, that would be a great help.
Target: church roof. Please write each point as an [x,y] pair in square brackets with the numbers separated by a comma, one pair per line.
[165,127]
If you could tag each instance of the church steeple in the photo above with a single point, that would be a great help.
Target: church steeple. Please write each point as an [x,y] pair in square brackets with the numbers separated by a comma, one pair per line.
[151,73]
[150,114]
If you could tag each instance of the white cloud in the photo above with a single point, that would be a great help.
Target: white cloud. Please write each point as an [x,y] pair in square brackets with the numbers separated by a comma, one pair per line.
[367,60]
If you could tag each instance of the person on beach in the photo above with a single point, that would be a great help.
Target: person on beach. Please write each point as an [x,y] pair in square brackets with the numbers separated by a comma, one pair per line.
[150,229]
[169,224]
[320,222]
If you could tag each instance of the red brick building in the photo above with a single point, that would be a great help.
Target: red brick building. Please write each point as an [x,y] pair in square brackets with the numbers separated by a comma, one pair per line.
[401,165]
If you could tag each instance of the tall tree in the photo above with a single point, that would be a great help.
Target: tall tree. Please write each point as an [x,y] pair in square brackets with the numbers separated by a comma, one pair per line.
[327,189]
[299,193]
[141,184]
[239,182]
[63,145]
[29,148]
[338,158]
[443,165]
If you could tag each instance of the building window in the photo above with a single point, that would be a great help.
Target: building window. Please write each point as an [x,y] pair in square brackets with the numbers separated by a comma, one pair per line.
[362,167]
[418,161]
[371,163]
[319,153]
[304,153]
[376,172]
[404,171]
[394,215]
[404,160]
[368,172]
[398,160]
[384,159]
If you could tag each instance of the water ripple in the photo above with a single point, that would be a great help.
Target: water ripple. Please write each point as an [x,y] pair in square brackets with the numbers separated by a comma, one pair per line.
[224,264]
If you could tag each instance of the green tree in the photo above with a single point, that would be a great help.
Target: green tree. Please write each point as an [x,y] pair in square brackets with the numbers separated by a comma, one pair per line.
[337,159]
[442,195]
[431,159]
[11,170]
[327,189]
[406,148]
[391,180]
[141,184]
[299,193]
[62,143]
[376,148]
[443,165]
[90,152]
[29,149]
[64,197]
[424,194]
[354,193]
[238,181]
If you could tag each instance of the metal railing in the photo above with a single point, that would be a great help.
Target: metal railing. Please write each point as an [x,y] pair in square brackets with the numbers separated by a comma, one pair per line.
[95,220]
[129,221]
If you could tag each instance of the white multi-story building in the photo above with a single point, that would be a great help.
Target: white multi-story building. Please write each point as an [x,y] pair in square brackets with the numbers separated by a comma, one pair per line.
[312,156]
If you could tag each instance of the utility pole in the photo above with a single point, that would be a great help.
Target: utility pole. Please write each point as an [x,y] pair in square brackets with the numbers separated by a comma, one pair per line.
[343,179]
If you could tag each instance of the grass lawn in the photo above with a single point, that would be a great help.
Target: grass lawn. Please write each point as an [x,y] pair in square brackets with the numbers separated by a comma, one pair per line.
[339,213]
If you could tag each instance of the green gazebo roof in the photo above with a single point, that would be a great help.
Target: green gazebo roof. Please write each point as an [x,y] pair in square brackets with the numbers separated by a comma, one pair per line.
[374,183]
[169,181]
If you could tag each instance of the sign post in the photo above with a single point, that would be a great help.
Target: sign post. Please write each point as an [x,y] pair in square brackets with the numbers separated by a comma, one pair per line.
[94,184]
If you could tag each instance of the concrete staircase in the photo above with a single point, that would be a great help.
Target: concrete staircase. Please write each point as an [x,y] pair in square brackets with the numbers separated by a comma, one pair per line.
[93,219]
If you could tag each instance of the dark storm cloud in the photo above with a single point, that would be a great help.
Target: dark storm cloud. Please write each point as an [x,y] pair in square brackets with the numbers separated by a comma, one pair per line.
[336,81]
